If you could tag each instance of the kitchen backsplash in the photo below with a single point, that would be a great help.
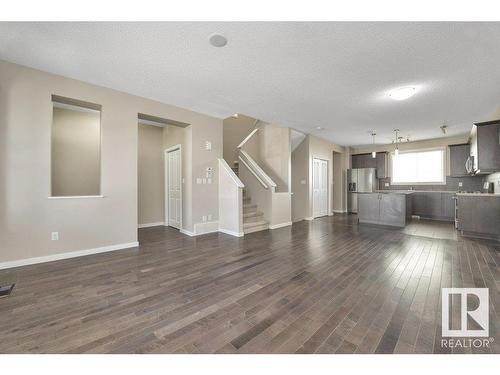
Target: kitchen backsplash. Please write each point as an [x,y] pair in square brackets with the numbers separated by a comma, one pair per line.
[468,184]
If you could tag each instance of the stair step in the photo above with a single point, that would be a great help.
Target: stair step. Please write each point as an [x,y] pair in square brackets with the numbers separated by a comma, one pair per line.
[251,217]
[255,226]
[248,208]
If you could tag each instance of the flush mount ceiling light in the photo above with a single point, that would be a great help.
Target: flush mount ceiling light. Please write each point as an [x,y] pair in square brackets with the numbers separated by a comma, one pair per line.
[319,128]
[217,40]
[403,93]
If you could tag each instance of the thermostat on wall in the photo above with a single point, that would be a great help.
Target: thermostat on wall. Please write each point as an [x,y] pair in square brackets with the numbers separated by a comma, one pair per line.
[209,172]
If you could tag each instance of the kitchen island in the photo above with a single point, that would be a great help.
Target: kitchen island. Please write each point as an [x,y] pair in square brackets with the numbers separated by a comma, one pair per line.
[393,208]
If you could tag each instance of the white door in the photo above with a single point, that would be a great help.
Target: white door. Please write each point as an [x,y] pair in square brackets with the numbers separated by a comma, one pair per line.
[173,209]
[320,187]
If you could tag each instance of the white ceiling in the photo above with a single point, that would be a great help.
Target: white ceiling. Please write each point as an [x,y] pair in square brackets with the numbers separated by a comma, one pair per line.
[302,75]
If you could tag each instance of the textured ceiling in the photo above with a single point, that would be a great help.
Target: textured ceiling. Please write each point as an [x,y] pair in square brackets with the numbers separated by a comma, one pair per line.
[302,75]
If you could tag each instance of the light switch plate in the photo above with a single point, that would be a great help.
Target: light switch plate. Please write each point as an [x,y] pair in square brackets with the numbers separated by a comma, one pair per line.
[54,236]
[209,217]
[198,180]
[204,218]
[386,184]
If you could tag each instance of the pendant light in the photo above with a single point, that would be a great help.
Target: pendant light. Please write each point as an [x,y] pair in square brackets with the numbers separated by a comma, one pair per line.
[396,151]
[374,154]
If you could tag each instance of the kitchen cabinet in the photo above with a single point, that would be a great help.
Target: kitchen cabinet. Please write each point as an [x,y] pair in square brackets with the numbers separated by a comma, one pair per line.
[381,165]
[367,161]
[447,206]
[434,205]
[427,204]
[485,147]
[363,161]
[393,209]
[478,216]
[458,158]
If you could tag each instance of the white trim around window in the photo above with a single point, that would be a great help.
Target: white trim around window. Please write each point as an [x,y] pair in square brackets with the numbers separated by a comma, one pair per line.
[414,173]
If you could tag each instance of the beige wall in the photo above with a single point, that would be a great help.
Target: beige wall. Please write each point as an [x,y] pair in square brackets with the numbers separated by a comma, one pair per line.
[27,216]
[275,154]
[235,130]
[322,149]
[300,180]
[75,150]
[150,167]
[315,147]
[230,201]
[339,182]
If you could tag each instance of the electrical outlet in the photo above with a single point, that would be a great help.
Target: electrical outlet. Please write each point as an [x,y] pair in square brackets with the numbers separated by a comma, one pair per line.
[209,217]
[204,218]
[386,184]
[55,236]
[460,184]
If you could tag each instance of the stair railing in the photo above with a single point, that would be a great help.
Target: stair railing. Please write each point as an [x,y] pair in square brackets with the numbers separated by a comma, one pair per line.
[257,171]
[249,136]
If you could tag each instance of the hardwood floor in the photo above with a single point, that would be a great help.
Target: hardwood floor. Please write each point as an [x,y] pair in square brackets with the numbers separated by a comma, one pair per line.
[325,286]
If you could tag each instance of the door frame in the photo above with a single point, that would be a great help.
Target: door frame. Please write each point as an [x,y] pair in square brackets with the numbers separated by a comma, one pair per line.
[166,184]
[327,188]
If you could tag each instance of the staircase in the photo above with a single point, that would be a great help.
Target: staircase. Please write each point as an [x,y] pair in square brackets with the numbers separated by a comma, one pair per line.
[253,220]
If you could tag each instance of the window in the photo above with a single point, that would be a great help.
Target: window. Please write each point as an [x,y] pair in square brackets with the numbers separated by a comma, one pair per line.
[75,148]
[426,167]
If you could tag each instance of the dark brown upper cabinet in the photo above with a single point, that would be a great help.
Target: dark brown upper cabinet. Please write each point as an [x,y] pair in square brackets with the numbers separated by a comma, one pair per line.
[382,161]
[485,147]
[367,161]
[458,158]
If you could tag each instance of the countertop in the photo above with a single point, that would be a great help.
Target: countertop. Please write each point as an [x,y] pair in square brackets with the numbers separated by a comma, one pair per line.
[497,195]
[419,191]
[405,192]
[399,192]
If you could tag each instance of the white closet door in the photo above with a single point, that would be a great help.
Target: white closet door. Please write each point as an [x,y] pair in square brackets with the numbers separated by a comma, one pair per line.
[320,187]
[174,189]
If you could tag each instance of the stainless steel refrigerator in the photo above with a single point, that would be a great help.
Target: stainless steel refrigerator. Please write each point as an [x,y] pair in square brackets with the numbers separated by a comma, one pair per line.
[359,180]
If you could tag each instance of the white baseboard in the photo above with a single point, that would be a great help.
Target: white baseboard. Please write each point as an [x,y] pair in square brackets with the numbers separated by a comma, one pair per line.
[339,211]
[230,232]
[207,227]
[147,225]
[276,226]
[187,232]
[202,228]
[309,218]
[72,254]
